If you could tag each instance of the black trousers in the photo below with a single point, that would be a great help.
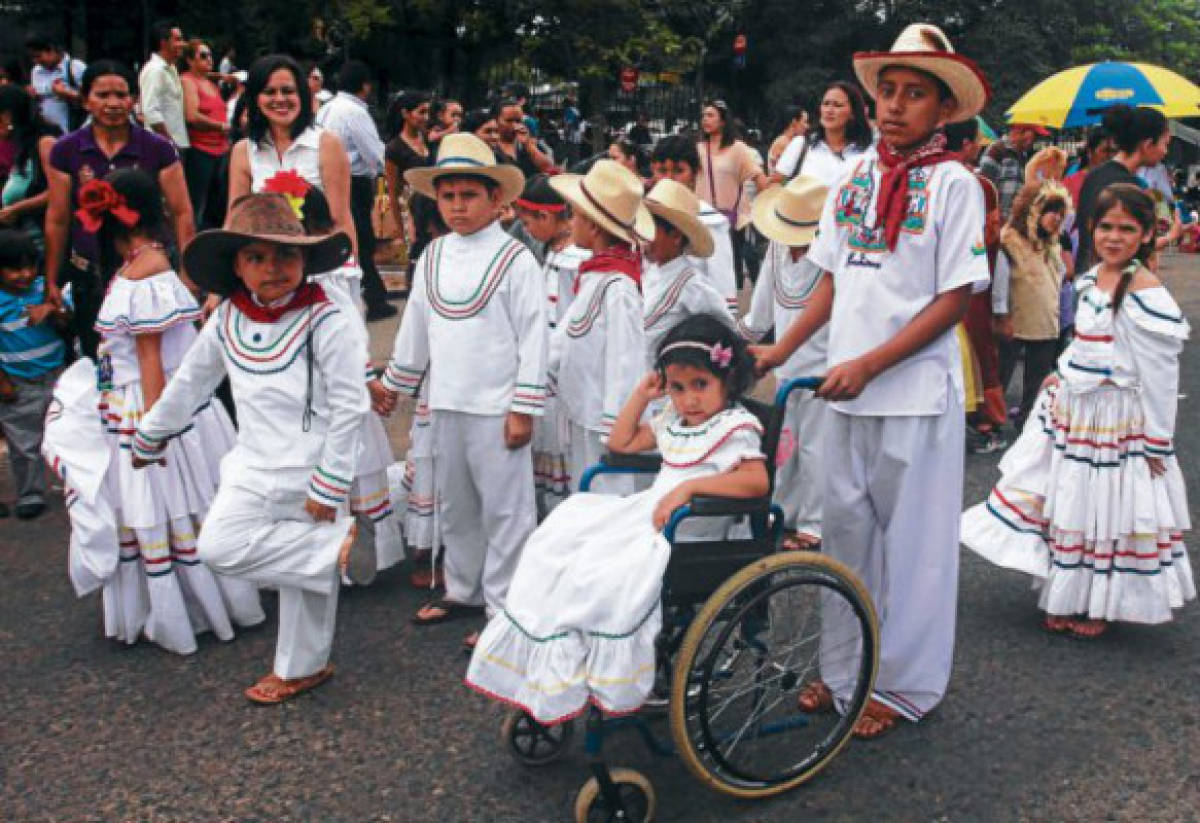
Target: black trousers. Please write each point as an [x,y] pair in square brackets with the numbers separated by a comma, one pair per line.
[362,201]
[200,168]
[1040,356]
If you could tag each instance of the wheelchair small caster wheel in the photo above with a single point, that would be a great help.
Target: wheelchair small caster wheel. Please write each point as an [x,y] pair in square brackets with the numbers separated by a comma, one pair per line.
[637,800]
[533,744]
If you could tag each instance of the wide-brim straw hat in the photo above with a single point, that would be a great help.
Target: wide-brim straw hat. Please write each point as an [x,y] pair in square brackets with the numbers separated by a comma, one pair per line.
[464,153]
[611,195]
[925,47]
[676,204]
[268,218]
[790,214]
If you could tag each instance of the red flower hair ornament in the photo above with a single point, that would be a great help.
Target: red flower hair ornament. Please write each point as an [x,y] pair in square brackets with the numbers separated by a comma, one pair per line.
[292,186]
[98,198]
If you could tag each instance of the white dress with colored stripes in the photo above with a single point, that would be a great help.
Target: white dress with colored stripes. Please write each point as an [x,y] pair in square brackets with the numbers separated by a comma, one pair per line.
[551,433]
[164,590]
[1077,505]
[370,497]
[583,608]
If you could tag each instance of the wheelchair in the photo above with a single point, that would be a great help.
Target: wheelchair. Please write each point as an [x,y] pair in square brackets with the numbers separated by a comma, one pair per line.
[742,637]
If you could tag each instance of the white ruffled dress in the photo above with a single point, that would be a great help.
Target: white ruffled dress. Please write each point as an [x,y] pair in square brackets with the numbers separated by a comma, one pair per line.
[160,588]
[370,495]
[583,608]
[1077,506]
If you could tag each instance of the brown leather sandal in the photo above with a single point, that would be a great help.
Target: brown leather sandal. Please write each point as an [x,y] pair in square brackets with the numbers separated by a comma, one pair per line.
[876,721]
[273,689]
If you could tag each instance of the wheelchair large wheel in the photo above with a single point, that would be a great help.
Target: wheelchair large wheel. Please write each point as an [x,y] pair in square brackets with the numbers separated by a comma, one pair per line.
[773,628]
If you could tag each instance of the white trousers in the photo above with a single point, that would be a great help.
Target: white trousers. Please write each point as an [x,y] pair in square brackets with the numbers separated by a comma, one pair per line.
[800,480]
[486,505]
[258,530]
[585,450]
[893,495]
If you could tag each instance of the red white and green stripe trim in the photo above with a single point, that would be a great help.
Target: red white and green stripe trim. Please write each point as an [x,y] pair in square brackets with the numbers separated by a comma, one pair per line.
[669,298]
[327,488]
[124,323]
[147,447]
[529,398]
[579,325]
[402,379]
[279,352]
[478,299]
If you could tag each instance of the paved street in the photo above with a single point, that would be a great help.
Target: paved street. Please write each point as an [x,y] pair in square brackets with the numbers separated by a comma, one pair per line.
[1033,728]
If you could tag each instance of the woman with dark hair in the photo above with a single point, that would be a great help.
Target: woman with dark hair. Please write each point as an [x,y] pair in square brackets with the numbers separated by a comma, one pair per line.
[630,155]
[842,133]
[109,140]
[407,123]
[795,124]
[482,124]
[1142,137]
[281,137]
[726,164]
[208,131]
[24,196]
[446,116]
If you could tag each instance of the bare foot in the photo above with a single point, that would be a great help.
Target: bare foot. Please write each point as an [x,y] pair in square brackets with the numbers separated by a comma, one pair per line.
[876,721]
[815,698]
[1088,629]
[1057,624]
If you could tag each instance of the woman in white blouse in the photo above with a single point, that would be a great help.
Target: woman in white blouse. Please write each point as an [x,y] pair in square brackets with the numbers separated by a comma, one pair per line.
[842,133]
[282,136]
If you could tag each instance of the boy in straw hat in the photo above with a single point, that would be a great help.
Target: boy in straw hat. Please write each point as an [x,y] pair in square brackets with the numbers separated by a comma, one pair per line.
[788,217]
[294,363]
[678,160]
[674,290]
[475,329]
[903,237]
[599,347]
[547,219]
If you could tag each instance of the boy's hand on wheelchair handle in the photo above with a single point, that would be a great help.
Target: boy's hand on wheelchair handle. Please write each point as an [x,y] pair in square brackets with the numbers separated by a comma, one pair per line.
[846,381]
[679,496]
[765,359]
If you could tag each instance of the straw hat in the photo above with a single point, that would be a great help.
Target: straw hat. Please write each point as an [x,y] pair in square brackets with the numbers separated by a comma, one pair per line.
[611,195]
[790,214]
[208,259]
[925,47]
[463,153]
[676,204]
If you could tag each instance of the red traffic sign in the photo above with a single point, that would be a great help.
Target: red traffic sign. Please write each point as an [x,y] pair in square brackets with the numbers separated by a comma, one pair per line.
[629,78]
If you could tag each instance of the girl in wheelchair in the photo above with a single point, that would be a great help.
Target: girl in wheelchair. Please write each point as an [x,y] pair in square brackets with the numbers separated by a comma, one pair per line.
[583,609]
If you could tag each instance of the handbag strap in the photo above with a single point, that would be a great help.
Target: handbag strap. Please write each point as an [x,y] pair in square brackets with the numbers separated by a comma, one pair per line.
[800,163]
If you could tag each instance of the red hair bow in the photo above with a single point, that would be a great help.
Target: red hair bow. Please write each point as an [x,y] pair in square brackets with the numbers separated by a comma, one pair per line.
[98,198]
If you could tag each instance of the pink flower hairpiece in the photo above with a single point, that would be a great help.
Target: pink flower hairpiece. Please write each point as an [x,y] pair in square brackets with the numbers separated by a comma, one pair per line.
[721,356]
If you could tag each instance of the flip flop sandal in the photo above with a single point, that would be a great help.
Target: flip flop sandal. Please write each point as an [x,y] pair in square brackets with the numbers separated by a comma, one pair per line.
[793,542]
[817,696]
[449,611]
[469,643]
[272,689]
[1061,629]
[1074,633]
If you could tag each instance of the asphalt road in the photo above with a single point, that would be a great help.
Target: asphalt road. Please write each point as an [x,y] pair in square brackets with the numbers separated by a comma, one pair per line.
[1033,727]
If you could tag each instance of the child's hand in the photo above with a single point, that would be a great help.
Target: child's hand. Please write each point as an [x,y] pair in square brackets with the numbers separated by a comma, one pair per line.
[672,500]
[1051,381]
[1002,326]
[518,430]
[39,313]
[650,387]
[846,381]
[383,402]
[765,359]
[210,305]
[319,511]
[1158,466]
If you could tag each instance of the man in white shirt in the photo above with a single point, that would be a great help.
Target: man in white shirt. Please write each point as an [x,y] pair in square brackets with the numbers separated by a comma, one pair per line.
[348,116]
[160,89]
[54,80]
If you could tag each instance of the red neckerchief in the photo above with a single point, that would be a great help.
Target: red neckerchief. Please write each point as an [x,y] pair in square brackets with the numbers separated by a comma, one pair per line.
[309,294]
[620,259]
[893,188]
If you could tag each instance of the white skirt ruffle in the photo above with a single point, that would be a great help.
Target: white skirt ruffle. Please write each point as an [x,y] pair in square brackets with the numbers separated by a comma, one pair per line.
[1078,508]
[582,612]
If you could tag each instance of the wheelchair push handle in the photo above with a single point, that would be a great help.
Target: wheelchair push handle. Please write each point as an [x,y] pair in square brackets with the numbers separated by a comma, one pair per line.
[811,383]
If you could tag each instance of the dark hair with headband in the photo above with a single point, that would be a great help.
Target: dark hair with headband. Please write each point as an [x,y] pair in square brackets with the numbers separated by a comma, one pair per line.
[729,129]
[706,342]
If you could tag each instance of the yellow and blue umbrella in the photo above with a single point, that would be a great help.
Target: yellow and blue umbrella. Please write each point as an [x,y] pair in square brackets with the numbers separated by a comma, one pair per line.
[1079,96]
